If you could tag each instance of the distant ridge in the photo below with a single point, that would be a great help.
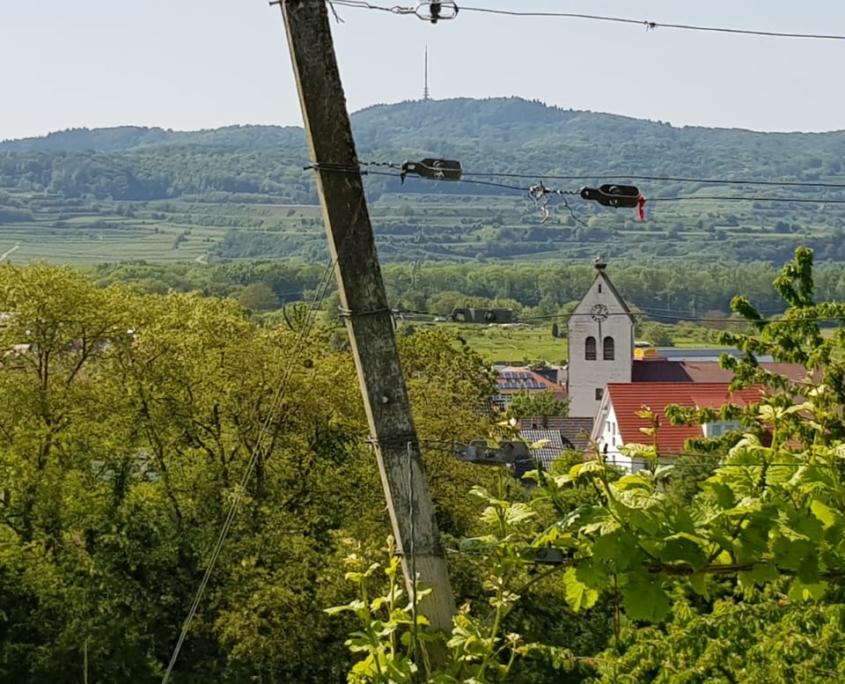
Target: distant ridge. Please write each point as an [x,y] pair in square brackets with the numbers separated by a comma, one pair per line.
[464,117]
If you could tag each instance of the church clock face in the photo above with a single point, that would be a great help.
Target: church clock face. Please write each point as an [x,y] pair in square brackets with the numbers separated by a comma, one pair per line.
[599,313]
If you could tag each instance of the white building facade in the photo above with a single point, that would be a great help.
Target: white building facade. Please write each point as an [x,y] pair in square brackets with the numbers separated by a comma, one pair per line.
[601,345]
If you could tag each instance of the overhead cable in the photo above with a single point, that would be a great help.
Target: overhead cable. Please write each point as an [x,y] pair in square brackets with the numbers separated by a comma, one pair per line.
[422,11]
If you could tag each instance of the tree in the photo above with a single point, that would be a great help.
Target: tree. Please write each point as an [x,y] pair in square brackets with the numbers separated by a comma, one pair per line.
[126,424]
[258,297]
[537,405]
[659,334]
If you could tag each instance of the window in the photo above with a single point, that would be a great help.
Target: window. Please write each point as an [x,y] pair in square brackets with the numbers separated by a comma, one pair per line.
[599,288]
[609,349]
[590,349]
[599,393]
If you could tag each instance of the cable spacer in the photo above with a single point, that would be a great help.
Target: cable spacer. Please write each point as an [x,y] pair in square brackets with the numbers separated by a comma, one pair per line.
[435,10]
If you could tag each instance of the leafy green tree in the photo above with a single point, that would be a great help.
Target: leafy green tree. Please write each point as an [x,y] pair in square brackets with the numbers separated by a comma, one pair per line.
[126,425]
[537,405]
[658,334]
[258,297]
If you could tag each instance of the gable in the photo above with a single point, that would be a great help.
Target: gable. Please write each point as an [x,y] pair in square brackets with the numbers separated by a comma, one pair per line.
[602,291]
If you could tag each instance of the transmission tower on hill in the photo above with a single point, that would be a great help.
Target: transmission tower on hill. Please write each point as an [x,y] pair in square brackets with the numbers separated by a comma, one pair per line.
[426,96]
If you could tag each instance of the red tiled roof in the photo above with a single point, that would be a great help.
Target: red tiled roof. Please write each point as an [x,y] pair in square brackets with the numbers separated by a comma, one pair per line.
[628,399]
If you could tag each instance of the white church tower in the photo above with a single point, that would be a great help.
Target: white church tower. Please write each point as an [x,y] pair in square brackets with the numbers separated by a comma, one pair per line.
[601,345]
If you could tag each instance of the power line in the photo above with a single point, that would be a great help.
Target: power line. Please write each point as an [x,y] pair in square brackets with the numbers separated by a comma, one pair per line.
[664,179]
[648,25]
[653,25]
[732,198]
[670,315]
[681,198]
[717,459]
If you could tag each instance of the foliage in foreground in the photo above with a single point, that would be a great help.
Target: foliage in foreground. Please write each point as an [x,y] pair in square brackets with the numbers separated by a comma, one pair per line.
[126,424]
[741,584]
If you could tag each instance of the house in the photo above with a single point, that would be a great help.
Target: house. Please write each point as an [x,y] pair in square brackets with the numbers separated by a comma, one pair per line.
[617,422]
[574,432]
[550,445]
[561,435]
[512,380]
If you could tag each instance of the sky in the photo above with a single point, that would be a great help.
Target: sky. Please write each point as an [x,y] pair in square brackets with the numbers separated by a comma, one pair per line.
[193,64]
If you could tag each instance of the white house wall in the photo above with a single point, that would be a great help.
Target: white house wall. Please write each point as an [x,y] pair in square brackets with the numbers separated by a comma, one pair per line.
[609,440]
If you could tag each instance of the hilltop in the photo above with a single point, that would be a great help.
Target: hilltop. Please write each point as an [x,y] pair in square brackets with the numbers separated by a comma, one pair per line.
[258,165]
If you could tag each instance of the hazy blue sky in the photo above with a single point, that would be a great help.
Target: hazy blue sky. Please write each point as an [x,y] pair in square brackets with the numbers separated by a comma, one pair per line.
[189,64]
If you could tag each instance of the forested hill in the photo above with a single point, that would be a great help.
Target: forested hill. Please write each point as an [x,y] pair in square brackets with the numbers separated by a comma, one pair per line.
[84,179]
[126,138]
[446,124]
[494,135]
[499,134]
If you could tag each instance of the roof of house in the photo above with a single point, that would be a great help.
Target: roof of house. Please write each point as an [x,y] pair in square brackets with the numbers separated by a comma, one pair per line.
[577,431]
[541,422]
[663,371]
[515,379]
[549,452]
[569,434]
[628,399]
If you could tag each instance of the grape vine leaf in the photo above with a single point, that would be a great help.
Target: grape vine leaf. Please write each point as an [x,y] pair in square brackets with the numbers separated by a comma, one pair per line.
[618,548]
[698,582]
[760,574]
[825,514]
[790,554]
[799,591]
[644,597]
[578,595]
[681,548]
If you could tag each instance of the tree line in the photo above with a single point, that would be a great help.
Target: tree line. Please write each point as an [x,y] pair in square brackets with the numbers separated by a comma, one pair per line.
[663,293]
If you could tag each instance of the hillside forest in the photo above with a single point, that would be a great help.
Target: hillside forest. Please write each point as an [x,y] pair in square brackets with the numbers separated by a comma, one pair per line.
[245,193]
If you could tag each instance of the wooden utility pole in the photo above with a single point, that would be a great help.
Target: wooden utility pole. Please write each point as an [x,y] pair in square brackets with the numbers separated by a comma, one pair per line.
[365,307]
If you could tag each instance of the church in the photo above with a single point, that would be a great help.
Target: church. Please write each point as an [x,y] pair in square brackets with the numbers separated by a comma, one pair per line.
[607,382]
[601,345]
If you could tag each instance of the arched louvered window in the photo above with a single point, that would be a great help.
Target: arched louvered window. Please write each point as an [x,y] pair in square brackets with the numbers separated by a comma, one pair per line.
[609,350]
[590,349]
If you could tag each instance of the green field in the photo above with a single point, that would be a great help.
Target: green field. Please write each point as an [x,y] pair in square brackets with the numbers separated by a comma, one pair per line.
[409,228]
[514,345]
[528,344]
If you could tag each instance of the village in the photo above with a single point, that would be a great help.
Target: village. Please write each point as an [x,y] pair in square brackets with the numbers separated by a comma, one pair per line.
[611,378]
